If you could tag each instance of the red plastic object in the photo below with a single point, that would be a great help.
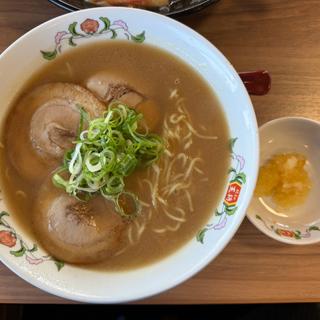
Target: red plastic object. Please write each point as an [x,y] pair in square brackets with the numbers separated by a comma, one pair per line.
[257,82]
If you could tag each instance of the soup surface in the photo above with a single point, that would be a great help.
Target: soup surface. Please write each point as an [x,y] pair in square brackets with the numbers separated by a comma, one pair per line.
[177,193]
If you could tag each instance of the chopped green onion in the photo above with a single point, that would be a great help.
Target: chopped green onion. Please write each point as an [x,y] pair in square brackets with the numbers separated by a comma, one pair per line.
[106,152]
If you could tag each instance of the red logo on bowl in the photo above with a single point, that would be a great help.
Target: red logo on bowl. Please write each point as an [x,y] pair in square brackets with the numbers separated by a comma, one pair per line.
[232,194]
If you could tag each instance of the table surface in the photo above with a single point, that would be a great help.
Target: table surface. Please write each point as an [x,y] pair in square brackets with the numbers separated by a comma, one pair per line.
[281,36]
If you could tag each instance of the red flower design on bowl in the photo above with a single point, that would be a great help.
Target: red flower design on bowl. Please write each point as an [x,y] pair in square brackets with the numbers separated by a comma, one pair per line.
[7,238]
[89,26]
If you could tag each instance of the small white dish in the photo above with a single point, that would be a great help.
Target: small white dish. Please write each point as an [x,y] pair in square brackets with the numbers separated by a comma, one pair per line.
[299,224]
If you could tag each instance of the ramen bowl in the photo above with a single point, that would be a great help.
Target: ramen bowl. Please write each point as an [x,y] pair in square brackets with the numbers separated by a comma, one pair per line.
[23,255]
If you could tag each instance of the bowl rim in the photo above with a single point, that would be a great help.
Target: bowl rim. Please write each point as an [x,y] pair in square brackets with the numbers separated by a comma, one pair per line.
[224,239]
[251,217]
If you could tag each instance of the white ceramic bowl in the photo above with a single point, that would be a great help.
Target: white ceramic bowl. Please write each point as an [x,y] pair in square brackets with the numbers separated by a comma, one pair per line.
[24,57]
[299,224]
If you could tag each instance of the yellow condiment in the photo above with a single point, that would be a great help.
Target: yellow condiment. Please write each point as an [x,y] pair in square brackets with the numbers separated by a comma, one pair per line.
[284,178]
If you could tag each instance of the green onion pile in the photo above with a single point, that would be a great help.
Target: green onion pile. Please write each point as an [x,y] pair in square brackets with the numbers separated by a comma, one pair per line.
[109,150]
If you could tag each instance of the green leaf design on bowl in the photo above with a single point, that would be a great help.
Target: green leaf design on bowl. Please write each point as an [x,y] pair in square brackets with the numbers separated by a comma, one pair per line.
[139,37]
[106,23]
[18,253]
[49,55]
[59,264]
[72,29]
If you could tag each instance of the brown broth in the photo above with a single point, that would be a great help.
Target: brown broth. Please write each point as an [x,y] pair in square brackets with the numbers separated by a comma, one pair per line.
[155,73]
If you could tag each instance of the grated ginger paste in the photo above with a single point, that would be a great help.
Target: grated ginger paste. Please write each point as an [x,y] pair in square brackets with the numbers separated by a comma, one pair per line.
[284,178]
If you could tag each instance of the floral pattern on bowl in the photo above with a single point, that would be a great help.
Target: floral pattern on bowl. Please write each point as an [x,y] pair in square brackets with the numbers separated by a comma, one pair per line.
[11,239]
[237,178]
[91,28]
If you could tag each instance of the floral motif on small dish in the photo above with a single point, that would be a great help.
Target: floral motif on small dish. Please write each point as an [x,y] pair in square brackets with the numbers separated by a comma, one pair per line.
[289,233]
